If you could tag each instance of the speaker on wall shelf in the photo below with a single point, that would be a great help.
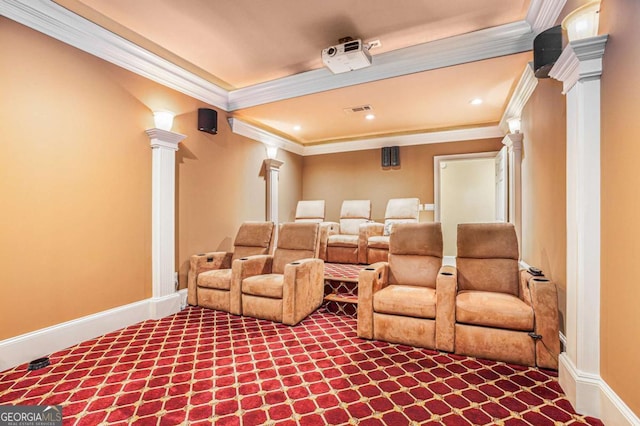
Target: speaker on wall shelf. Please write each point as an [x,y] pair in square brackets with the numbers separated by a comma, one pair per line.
[547,47]
[208,120]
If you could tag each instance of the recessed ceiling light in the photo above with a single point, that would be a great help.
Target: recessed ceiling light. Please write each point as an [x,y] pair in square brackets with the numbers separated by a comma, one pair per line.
[369,116]
[476,101]
[297,127]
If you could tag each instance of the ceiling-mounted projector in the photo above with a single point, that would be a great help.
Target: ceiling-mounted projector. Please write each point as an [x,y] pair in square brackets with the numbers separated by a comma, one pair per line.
[348,56]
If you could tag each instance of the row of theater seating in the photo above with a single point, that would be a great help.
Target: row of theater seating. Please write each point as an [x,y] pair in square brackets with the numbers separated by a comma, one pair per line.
[484,307]
[356,239]
[285,286]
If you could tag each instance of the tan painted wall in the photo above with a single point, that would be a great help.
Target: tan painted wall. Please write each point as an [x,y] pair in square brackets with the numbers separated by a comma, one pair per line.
[221,184]
[620,291]
[358,175]
[544,242]
[75,191]
[75,167]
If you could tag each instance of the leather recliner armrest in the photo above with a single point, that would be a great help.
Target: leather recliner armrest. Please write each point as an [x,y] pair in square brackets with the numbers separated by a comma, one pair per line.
[543,297]
[370,280]
[373,229]
[302,289]
[241,269]
[202,262]
[446,290]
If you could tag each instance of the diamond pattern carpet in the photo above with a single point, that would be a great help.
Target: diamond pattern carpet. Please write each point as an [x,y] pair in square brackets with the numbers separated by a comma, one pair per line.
[342,272]
[341,288]
[202,367]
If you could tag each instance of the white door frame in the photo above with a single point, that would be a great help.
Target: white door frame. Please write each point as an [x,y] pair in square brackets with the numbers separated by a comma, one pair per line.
[436,173]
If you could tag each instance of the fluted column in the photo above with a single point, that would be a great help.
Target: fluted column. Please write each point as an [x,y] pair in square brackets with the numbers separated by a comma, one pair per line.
[272,168]
[164,144]
[579,68]
[513,142]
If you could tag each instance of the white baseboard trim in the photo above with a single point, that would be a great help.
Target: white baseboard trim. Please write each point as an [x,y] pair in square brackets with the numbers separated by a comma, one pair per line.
[563,342]
[24,348]
[591,395]
[160,307]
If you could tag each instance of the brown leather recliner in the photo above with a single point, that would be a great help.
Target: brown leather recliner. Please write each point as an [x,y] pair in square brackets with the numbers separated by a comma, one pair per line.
[409,299]
[209,279]
[287,286]
[501,312]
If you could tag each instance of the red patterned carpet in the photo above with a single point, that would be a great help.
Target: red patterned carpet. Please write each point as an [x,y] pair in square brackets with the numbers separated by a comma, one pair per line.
[341,288]
[201,367]
[342,271]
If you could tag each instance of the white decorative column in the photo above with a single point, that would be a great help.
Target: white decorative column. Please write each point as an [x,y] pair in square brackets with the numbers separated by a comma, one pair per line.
[579,68]
[513,142]
[272,169]
[165,298]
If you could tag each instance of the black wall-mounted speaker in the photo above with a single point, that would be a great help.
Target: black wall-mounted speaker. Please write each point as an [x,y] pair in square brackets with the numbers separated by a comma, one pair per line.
[386,157]
[547,47]
[208,120]
[395,156]
[390,156]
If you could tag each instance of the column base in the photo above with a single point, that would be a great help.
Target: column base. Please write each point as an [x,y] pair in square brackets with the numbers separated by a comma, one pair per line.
[160,307]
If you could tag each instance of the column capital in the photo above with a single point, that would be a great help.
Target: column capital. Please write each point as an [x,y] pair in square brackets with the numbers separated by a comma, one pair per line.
[164,138]
[273,164]
[513,141]
[581,59]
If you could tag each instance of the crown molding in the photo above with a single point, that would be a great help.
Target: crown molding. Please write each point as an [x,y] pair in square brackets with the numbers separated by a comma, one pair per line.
[406,140]
[57,22]
[475,46]
[250,131]
[521,94]
[64,25]
[543,14]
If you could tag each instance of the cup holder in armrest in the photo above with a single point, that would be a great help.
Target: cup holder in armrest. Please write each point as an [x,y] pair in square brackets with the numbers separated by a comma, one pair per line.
[369,269]
[542,280]
[244,258]
[200,254]
[446,273]
[295,263]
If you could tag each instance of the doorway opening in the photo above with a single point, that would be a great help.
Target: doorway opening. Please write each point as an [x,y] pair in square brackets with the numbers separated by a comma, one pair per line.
[469,188]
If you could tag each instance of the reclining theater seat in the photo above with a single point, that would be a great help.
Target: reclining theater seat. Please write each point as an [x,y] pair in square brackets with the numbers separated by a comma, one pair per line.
[349,244]
[310,211]
[399,210]
[408,300]
[209,280]
[313,211]
[287,286]
[502,313]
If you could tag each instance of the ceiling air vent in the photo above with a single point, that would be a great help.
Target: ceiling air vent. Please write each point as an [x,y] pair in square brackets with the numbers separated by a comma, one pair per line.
[361,108]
